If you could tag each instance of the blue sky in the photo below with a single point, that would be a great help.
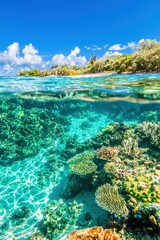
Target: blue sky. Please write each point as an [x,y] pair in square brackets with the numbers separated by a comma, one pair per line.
[43,29]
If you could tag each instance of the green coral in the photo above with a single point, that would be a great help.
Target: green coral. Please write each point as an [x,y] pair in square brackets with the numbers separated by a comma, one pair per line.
[143,187]
[108,198]
[25,130]
[111,168]
[58,217]
[82,164]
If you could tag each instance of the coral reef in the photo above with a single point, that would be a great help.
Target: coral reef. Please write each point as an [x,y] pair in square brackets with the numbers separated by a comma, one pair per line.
[111,168]
[94,233]
[149,132]
[149,215]
[129,148]
[82,164]
[57,218]
[108,198]
[144,187]
[108,153]
[24,131]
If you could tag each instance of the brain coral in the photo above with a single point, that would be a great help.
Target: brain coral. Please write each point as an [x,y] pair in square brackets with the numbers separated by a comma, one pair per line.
[82,163]
[108,198]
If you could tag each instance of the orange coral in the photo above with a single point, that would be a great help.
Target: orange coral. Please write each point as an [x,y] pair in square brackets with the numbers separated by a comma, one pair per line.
[107,153]
[94,233]
[107,234]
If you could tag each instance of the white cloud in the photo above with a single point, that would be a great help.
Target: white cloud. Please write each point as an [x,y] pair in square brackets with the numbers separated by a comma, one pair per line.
[117,47]
[142,40]
[110,53]
[88,48]
[105,46]
[93,47]
[132,45]
[72,59]
[12,55]
[31,56]
[12,59]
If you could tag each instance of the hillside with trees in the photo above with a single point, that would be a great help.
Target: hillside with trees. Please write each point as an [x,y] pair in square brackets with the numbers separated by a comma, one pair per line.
[145,58]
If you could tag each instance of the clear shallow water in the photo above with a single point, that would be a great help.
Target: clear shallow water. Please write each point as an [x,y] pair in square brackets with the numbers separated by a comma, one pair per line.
[47,122]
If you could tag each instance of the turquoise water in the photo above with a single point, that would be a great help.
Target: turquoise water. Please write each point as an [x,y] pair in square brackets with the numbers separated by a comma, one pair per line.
[63,138]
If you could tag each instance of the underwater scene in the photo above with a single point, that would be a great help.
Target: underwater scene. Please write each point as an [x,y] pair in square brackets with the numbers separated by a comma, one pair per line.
[80,157]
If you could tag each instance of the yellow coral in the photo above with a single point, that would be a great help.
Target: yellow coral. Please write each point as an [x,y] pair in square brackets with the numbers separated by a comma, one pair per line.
[108,198]
[143,187]
[82,163]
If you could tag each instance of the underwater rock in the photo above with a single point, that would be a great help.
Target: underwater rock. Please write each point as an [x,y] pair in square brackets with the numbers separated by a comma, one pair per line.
[149,215]
[20,214]
[75,184]
[84,219]
[94,233]
[108,198]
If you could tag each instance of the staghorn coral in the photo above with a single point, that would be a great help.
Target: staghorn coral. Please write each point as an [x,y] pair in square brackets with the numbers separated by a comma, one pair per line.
[108,153]
[108,198]
[144,187]
[149,132]
[94,233]
[129,148]
[82,163]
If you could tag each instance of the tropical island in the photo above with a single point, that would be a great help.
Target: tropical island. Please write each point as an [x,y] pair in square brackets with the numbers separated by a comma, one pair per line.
[145,58]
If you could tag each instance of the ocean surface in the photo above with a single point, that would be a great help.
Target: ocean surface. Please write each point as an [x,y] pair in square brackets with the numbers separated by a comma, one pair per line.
[77,153]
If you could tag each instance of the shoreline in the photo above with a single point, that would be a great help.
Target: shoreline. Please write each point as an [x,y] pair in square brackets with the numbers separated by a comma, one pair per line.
[85,75]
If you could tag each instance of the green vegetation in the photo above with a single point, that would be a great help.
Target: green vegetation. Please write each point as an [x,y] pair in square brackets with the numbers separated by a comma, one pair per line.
[145,58]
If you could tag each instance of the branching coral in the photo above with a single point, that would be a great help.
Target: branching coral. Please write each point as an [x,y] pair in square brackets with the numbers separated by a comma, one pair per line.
[129,148]
[150,132]
[108,198]
[82,163]
[143,187]
[108,153]
[94,233]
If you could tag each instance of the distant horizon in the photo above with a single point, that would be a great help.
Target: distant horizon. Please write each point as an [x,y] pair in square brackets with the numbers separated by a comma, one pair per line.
[41,34]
